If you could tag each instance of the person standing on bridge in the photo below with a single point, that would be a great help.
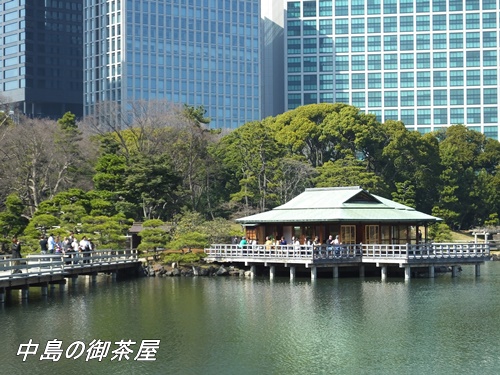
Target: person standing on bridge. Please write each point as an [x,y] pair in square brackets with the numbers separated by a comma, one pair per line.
[51,244]
[16,254]
[44,244]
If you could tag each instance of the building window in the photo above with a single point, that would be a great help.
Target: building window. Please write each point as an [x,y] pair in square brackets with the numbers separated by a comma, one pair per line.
[439,22]
[390,24]
[358,81]
[423,41]
[348,234]
[406,43]
[490,96]
[489,58]
[407,61]
[457,97]
[406,24]
[309,8]
[372,234]
[358,99]
[358,62]
[473,96]
[358,26]
[440,97]
[473,115]
[408,117]
[325,27]
[472,21]
[456,78]
[489,39]
[456,21]
[407,98]
[358,44]
[424,79]
[473,78]
[341,26]
[423,116]
[390,43]
[490,77]
[423,98]
[423,60]
[489,20]
[440,78]
[423,23]
[439,41]
[472,40]
[491,132]
[293,9]
[472,59]
[440,116]
[374,99]
[456,40]
[390,80]
[341,8]
[390,61]
[456,59]
[374,80]
[439,5]
[374,62]
[357,7]
[341,81]
[373,25]
[374,44]
[491,115]
[391,99]
[390,6]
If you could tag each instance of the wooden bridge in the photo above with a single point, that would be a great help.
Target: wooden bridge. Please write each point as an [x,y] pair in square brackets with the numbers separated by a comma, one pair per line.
[43,270]
[382,256]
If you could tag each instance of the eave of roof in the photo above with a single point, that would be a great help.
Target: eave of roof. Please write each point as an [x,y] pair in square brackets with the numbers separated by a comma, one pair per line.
[339,204]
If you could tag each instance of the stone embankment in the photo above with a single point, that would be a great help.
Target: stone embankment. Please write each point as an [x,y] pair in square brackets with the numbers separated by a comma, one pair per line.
[174,269]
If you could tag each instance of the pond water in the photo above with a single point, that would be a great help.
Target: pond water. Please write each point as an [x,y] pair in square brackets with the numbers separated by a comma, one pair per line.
[229,325]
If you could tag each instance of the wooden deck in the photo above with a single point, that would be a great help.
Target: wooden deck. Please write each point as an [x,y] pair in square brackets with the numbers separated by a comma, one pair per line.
[379,255]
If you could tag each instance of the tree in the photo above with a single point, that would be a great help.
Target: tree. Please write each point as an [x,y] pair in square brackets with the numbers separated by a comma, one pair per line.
[38,160]
[349,172]
[153,235]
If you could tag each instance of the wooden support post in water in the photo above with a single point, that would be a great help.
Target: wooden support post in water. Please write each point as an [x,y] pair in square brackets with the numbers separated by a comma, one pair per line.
[314,273]
[45,289]
[114,275]
[454,271]
[25,292]
[407,272]
[335,272]
[292,272]
[2,295]
[431,272]
[383,272]
[272,272]
[362,271]
[253,269]
[478,269]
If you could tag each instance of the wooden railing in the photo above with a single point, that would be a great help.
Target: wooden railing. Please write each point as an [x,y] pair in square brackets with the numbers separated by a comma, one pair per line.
[51,264]
[406,252]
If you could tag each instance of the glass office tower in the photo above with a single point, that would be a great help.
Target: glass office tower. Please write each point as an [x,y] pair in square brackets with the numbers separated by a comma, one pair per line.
[195,52]
[428,63]
[41,51]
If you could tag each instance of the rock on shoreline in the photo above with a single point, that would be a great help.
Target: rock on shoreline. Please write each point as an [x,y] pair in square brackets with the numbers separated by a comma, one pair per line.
[174,269]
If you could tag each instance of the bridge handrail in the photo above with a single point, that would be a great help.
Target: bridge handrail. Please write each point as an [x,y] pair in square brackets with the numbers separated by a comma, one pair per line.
[387,251]
[38,264]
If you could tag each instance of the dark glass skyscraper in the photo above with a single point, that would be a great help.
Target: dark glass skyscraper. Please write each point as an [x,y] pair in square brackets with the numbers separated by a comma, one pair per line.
[41,56]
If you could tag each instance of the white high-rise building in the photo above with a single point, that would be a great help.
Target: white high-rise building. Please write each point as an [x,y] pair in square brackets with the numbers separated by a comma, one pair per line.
[428,63]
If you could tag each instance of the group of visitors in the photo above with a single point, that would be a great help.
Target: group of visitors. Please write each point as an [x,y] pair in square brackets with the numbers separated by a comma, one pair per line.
[70,244]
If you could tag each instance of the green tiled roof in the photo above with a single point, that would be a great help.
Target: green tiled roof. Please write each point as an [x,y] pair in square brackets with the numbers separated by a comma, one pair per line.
[351,204]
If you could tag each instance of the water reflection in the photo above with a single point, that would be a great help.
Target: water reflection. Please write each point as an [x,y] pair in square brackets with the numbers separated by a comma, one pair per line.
[258,326]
